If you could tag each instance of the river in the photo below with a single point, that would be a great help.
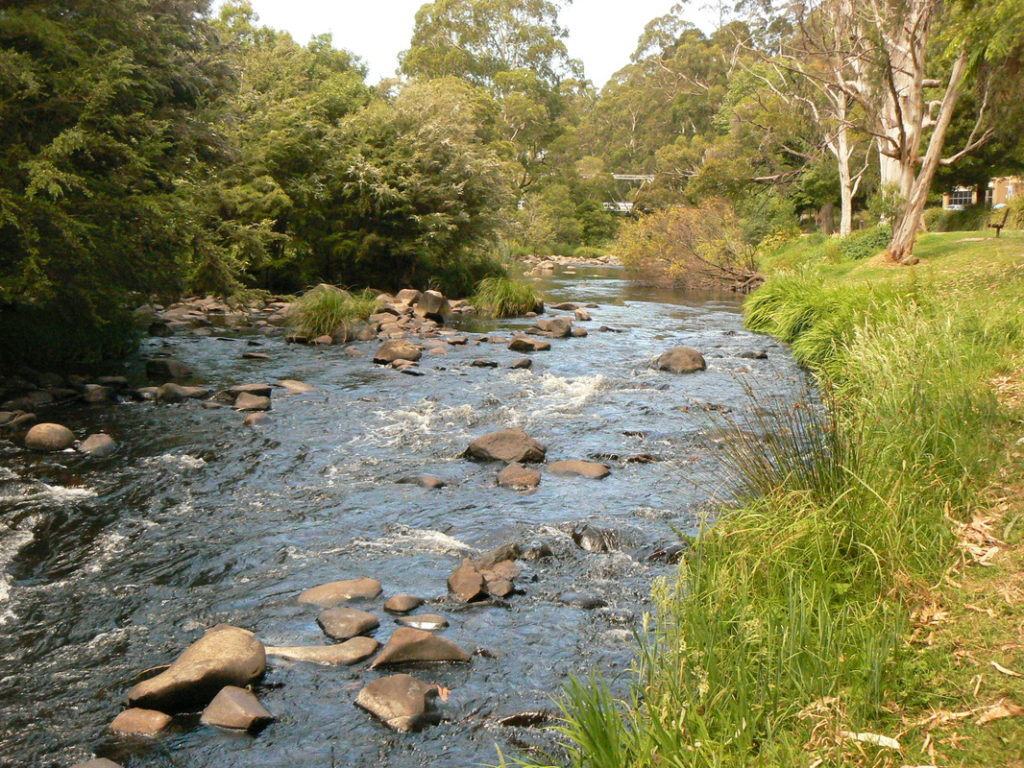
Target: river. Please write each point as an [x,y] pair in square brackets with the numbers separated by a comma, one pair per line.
[109,567]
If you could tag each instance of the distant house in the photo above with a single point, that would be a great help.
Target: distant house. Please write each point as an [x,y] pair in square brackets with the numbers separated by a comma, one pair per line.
[999,191]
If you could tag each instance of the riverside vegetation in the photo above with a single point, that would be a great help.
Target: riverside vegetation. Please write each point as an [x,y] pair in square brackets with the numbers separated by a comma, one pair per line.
[838,613]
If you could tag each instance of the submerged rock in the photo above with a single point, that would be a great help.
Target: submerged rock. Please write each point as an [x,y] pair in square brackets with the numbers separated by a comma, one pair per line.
[590,469]
[346,623]
[48,438]
[140,722]
[424,481]
[341,654]
[430,622]
[401,702]
[508,445]
[252,402]
[225,655]
[98,445]
[592,539]
[411,645]
[295,387]
[337,592]
[682,360]
[236,709]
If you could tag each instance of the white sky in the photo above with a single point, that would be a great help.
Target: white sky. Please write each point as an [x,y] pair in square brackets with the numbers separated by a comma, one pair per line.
[603,33]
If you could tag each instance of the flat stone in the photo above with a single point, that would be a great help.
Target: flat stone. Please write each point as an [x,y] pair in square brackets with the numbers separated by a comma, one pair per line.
[397,349]
[140,722]
[176,393]
[424,481]
[336,592]
[48,438]
[225,655]
[524,344]
[522,364]
[99,762]
[263,390]
[255,356]
[295,387]
[518,477]
[430,622]
[237,709]
[409,645]
[345,623]
[342,654]
[590,469]
[508,445]
[401,702]
[403,603]
[466,582]
[98,445]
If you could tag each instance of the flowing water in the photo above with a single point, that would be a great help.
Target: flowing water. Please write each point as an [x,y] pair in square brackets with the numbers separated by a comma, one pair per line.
[111,567]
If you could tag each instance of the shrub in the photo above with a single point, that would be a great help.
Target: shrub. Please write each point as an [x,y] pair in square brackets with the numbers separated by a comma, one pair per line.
[1016,220]
[322,310]
[865,243]
[969,219]
[588,252]
[504,297]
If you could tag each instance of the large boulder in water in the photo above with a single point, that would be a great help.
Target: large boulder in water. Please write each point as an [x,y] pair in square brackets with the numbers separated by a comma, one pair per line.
[682,360]
[48,438]
[225,655]
[397,349]
[401,702]
[558,327]
[508,445]
[434,305]
[413,645]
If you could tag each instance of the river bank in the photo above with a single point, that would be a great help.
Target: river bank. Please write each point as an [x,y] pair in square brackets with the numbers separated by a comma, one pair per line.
[831,618]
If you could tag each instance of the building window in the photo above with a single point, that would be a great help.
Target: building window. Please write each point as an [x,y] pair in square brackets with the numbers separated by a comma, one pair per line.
[961,197]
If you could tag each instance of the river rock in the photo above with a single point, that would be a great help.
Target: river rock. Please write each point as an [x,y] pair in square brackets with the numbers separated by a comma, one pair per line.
[140,722]
[522,364]
[337,592]
[495,557]
[323,341]
[99,762]
[500,587]
[401,702]
[590,469]
[593,539]
[262,356]
[466,582]
[98,445]
[682,360]
[250,402]
[424,481]
[236,709]
[97,394]
[167,368]
[255,418]
[403,603]
[582,315]
[342,654]
[225,655]
[566,306]
[484,364]
[558,327]
[431,622]
[751,354]
[261,390]
[295,387]
[579,333]
[47,438]
[408,296]
[176,393]
[345,623]
[526,344]
[582,600]
[397,349]
[537,550]
[409,645]
[508,445]
[434,305]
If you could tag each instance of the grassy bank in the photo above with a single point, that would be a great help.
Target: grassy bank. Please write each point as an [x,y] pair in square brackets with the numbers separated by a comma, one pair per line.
[836,615]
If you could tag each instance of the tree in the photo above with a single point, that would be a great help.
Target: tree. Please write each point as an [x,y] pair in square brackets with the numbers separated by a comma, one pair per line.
[105,109]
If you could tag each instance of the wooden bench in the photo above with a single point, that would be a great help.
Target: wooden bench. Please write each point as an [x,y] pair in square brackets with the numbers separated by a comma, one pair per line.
[998,225]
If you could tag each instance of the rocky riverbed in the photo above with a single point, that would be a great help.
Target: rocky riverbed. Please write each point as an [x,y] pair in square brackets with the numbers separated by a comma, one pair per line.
[404,569]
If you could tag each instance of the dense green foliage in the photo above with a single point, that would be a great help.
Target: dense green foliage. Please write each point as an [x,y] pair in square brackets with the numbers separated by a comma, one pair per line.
[787,623]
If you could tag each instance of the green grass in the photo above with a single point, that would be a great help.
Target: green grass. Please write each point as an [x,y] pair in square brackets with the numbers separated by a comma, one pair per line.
[789,621]
[323,309]
[505,297]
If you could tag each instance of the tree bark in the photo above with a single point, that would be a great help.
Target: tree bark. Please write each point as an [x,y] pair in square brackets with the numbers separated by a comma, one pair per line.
[904,235]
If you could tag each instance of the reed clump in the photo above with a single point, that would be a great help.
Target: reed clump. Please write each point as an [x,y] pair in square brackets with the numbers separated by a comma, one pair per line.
[324,308]
[505,297]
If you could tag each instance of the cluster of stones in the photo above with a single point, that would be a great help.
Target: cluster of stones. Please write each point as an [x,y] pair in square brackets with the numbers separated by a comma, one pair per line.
[206,316]
[217,674]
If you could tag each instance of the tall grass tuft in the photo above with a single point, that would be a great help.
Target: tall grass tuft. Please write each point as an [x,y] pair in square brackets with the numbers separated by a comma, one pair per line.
[505,297]
[323,309]
[788,621]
